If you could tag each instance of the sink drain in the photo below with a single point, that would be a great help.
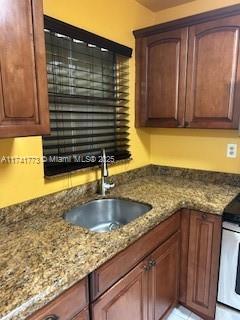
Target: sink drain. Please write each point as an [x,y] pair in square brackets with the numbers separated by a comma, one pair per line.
[114,226]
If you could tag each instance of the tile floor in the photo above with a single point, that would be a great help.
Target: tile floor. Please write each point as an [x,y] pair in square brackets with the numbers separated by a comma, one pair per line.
[181,313]
[222,313]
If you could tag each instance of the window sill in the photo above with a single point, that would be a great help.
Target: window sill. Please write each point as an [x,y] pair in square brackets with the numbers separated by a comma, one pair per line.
[118,162]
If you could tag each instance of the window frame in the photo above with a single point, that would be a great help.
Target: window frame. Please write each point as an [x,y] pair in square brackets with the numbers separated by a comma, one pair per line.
[73,32]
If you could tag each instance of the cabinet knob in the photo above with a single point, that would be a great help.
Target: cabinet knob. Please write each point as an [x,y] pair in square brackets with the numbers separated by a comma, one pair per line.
[51,317]
[152,263]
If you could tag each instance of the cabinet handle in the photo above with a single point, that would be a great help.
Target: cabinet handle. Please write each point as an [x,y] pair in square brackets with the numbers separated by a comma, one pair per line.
[51,317]
[152,263]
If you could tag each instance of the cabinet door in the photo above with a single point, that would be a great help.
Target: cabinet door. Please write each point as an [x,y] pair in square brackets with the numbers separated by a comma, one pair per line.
[127,299]
[161,79]
[23,80]
[213,91]
[203,263]
[113,270]
[164,278]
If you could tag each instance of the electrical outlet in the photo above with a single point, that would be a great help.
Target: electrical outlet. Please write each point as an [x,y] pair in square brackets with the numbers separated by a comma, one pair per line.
[231,150]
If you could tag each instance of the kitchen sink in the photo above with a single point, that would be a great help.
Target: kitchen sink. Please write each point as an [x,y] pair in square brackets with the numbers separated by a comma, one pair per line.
[104,215]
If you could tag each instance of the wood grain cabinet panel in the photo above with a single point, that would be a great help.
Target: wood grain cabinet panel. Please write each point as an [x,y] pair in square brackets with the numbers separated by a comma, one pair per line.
[113,270]
[148,292]
[164,276]
[185,225]
[143,290]
[203,263]
[161,72]
[179,264]
[188,72]
[83,315]
[213,84]
[68,305]
[127,299]
[23,80]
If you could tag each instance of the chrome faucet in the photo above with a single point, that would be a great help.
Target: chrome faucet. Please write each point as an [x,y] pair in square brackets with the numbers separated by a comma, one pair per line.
[104,186]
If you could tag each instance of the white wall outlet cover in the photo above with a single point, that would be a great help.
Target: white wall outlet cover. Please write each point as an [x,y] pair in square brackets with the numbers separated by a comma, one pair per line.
[231,150]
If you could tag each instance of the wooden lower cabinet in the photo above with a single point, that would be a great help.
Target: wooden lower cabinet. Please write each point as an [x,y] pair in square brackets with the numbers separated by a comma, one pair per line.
[72,304]
[176,262]
[163,278]
[127,299]
[83,315]
[185,223]
[182,269]
[115,269]
[203,263]
[148,292]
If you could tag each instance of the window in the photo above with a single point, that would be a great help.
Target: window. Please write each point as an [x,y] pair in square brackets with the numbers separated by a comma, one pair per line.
[88,98]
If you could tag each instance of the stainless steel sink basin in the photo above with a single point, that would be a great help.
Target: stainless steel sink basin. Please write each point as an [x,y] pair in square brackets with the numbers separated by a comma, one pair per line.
[104,215]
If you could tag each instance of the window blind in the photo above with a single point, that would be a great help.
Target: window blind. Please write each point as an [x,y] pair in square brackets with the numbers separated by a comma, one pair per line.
[88,88]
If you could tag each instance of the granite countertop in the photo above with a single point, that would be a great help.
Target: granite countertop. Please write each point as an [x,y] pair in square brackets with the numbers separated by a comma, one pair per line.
[42,255]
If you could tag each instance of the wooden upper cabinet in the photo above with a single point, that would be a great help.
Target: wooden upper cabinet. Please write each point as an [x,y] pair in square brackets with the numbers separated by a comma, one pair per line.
[188,72]
[213,91]
[161,73]
[203,263]
[23,80]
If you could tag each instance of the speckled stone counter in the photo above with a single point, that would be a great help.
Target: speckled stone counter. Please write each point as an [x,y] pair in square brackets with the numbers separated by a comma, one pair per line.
[41,255]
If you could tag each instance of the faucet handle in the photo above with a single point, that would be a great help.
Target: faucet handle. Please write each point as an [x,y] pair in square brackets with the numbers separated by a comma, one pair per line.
[109,185]
[109,181]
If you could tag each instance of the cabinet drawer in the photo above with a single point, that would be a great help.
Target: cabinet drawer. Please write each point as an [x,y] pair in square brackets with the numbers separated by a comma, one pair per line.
[109,273]
[67,305]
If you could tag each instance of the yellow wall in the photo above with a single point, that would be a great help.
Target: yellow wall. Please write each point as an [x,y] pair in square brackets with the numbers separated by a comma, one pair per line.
[115,19]
[192,148]
[111,19]
[189,148]
[188,9]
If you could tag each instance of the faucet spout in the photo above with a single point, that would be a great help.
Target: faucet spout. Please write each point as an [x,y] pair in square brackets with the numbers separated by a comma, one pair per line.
[104,186]
[104,164]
